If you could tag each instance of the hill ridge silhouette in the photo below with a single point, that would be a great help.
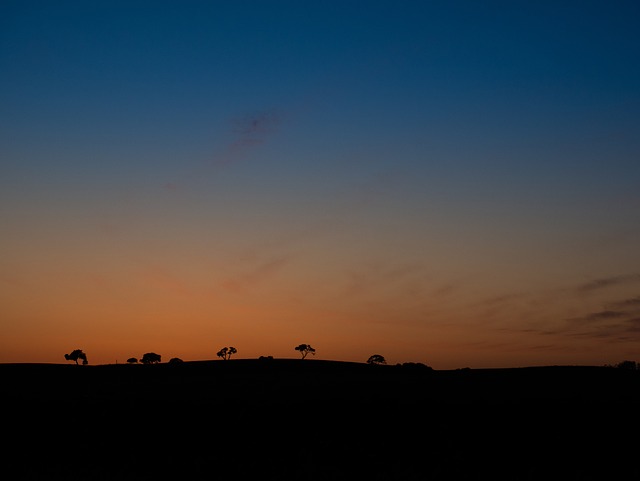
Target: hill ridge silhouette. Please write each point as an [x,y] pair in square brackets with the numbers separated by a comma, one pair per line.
[276,380]
[287,419]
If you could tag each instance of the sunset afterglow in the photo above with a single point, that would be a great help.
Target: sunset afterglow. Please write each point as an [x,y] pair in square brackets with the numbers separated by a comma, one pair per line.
[455,184]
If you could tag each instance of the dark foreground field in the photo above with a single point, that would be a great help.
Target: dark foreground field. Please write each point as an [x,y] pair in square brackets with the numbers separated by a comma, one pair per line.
[286,419]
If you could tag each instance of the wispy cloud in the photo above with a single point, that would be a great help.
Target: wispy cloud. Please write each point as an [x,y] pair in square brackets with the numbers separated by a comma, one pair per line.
[248,132]
[498,300]
[633,324]
[255,275]
[607,282]
[620,321]
[624,303]
[171,186]
[599,316]
[159,278]
[398,283]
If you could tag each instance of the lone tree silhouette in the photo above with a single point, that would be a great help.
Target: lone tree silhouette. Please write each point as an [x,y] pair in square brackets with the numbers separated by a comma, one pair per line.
[150,358]
[305,349]
[376,359]
[75,355]
[132,360]
[226,352]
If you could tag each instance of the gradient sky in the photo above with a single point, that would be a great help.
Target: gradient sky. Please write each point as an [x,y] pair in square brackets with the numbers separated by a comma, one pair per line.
[455,183]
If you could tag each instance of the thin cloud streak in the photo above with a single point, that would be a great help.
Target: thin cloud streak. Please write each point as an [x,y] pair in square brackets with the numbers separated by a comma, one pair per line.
[249,132]
[632,302]
[607,282]
[256,275]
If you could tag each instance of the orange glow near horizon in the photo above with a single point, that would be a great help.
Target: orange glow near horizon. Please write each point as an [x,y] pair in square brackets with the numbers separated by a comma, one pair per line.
[113,321]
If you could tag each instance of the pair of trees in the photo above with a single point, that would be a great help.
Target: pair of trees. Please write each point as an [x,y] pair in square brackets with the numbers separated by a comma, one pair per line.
[76,355]
[226,352]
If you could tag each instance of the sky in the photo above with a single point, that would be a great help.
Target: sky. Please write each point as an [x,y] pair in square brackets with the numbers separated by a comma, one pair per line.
[454,183]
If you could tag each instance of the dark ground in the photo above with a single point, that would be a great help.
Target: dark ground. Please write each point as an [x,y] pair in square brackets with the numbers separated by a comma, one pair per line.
[286,419]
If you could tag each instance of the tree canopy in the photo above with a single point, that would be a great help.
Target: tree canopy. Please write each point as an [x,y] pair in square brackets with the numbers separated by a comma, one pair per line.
[76,355]
[305,349]
[376,359]
[226,352]
[150,358]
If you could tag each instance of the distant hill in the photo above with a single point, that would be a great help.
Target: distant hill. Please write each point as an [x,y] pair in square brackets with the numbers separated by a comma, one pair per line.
[292,419]
[283,380]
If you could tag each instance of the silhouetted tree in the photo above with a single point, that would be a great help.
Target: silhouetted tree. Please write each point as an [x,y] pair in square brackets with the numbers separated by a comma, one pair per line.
[376,359]
[132,360]
[226,352]
[175,360]
[150,358]
[75,355]
[305,349]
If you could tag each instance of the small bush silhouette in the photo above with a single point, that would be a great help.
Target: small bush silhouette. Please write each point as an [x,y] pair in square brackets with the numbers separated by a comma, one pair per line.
[175,360]
[417,366]
[132,360]
[627,365]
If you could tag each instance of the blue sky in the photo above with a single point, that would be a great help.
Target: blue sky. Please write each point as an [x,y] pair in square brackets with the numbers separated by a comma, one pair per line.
[354,176]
